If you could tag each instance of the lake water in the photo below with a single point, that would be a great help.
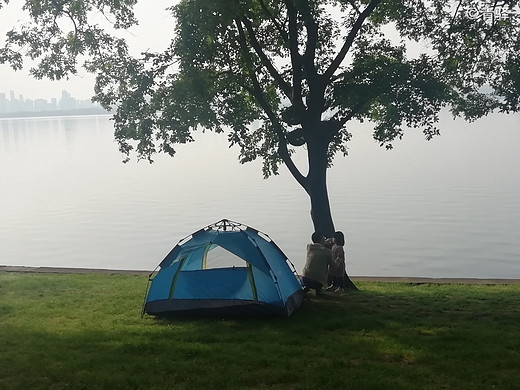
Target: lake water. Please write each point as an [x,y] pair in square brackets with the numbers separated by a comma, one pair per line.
[445,208]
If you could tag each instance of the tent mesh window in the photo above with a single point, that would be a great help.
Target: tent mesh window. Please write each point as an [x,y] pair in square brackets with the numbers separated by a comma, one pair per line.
[218,257]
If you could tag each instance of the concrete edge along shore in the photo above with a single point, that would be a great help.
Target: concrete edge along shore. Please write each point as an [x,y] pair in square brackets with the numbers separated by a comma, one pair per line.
[411,280]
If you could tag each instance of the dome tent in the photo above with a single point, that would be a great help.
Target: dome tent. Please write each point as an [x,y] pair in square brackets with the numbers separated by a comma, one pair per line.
[226,268]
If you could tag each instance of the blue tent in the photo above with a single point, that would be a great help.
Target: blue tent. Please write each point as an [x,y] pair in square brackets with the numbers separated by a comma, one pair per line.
[225,269]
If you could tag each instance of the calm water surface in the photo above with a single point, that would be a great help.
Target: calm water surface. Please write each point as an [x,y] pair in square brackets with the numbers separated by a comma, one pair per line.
[445,208]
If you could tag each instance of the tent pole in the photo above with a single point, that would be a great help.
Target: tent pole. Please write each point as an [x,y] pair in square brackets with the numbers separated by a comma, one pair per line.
[146,291]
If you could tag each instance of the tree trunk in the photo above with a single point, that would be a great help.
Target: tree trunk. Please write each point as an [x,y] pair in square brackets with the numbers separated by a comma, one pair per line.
[317,190]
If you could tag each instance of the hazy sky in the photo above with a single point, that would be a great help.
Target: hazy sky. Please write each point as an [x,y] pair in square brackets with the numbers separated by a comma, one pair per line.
[154,32]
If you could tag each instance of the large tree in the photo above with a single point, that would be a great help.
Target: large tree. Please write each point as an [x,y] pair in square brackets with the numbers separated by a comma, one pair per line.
[299,70]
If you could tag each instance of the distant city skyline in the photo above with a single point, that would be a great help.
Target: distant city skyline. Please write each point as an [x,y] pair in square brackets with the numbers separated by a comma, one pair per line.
[11,103]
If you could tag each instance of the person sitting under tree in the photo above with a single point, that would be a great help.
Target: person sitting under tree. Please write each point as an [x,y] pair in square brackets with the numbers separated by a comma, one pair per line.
[319,258]
[337,269]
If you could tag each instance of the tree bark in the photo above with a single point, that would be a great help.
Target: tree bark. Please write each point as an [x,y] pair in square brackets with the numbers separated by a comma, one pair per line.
[316,187]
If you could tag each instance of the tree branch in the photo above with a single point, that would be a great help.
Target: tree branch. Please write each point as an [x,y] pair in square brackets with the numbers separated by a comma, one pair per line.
[296,59]
[286,88]
[353,4]
[311,44]
[316,82]
[351,114]
[258,94]
[349,40]
[454,15]
[278,26]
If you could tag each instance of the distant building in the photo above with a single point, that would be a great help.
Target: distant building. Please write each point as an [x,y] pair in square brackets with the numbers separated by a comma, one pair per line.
[3,103]
[21,105]
[27,105]
[43,105]
[66,102]
[14,104]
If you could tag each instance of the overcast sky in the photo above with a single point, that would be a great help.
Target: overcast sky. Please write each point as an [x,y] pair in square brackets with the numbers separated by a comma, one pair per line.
[154,33]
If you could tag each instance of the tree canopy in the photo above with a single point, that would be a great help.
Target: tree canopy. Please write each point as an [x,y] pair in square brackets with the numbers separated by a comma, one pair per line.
[279,75]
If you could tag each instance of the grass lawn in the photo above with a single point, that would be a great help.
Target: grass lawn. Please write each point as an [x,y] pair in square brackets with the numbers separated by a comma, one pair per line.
[85,331]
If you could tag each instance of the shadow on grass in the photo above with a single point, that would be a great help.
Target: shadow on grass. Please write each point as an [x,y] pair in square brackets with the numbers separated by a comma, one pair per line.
[438,334]
[400,336]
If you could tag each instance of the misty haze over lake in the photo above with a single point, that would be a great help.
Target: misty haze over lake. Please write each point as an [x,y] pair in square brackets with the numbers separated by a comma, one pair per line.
[444,208]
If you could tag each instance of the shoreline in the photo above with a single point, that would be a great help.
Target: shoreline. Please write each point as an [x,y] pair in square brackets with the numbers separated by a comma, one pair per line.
[90,111]
[388,279]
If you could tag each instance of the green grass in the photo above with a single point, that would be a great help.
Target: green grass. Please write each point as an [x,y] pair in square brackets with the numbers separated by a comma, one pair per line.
[70,331]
